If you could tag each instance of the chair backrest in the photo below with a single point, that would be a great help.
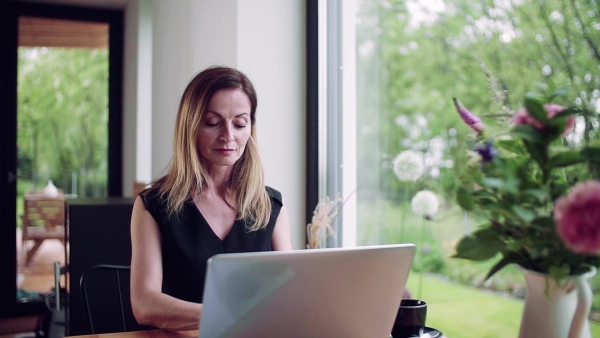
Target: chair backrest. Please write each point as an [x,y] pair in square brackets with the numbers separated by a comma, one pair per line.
[43,210]
[105,293]
[43,218]
[99,233]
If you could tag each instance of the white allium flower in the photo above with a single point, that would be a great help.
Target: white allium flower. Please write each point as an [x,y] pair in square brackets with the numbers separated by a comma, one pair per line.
[408,165]
[425,203]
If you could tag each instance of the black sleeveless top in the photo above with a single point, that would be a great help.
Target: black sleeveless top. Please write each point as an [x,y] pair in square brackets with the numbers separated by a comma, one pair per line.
[188,242]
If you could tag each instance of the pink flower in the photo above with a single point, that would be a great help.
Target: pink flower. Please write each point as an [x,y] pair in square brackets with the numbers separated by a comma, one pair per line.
[577,218]
[523,117]
[470,119]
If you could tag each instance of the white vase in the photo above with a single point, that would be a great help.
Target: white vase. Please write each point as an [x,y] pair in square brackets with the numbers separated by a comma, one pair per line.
[50,189]
[562,312]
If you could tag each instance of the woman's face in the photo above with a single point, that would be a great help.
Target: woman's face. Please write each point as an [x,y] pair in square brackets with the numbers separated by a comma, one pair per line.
[225,127]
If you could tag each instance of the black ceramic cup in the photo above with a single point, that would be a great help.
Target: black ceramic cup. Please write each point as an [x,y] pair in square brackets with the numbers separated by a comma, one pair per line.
[410,319]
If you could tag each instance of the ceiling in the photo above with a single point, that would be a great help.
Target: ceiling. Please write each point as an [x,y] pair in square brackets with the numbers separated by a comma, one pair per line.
[45,32]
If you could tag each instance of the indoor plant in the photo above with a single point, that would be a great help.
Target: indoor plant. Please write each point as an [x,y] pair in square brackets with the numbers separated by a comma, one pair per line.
[538,193]
[517,183]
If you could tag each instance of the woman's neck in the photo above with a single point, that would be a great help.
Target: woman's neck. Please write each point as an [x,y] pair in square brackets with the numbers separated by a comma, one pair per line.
[218,183]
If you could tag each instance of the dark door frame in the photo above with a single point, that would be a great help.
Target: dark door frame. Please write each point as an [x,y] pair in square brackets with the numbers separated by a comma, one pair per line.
[312,108]
[9,14]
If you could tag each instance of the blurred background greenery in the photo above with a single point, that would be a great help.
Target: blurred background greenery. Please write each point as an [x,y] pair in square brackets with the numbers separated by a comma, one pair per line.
[413,57]
[63,119]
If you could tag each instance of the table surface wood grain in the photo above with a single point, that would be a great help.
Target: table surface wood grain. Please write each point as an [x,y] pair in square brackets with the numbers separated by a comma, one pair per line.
[145,334]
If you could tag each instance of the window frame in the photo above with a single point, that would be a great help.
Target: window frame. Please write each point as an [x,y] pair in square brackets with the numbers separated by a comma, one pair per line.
[331,113]
[9,14]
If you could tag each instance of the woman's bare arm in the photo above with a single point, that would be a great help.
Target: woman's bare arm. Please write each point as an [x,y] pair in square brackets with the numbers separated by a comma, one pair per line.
[150,306]
[282,239]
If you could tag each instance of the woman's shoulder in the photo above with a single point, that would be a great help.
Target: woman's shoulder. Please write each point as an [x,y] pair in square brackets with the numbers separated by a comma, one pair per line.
[274,194]
[149,193]
[152,197]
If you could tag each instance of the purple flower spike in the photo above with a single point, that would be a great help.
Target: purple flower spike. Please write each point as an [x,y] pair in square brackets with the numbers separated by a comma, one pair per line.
[487,152]
[470,119]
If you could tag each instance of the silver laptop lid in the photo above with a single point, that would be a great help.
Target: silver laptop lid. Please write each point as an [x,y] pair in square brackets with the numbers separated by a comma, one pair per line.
[341,292]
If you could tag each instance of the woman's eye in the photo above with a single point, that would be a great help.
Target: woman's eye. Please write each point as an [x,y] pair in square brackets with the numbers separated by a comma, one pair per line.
[240,123]
[211,123]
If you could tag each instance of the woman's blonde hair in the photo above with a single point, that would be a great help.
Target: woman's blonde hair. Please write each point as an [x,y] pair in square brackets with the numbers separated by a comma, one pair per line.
[187,173]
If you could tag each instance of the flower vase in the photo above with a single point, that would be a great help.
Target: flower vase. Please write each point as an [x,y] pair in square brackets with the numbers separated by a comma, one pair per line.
[562,311]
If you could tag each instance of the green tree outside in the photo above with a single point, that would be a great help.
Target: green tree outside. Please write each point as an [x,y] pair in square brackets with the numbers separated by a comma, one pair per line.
[413,57]
[63,119]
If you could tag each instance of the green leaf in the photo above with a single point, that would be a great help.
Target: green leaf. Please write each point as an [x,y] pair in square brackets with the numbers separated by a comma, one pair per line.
[544,222]
[481,245]
[486,202]
[524,214]
[591,153]
[516,245]
[465,199]
[567,112]
[538,152]
[559,272]
[510,258]
[512,185]
[513,146]
[529,133]
[541,86]
[535,107]
[566,158]
[555,128]
[517,163]
[558,189]
[501,210]
[560,92]
[493,182]
[540,194]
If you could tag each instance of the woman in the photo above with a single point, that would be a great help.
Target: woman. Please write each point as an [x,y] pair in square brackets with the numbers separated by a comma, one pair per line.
[212,200]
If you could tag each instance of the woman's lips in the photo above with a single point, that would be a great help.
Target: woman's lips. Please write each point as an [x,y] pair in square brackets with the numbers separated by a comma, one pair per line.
[224,151]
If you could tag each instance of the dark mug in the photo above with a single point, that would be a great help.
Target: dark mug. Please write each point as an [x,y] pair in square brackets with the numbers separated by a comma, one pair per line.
[410,319]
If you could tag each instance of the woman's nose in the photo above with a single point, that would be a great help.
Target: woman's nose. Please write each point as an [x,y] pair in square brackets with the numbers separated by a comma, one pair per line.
[227,133]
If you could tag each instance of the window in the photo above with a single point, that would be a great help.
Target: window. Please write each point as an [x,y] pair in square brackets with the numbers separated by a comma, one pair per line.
[10,13]
[388,70]
[391,68]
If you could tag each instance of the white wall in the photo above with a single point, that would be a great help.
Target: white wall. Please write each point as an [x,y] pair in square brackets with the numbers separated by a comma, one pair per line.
[143,140]
[271,51]
[188,36]
[130,99]
[137,94]
[263,38]
[168,41]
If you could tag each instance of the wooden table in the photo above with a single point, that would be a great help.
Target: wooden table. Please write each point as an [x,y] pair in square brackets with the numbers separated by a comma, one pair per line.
[145,334]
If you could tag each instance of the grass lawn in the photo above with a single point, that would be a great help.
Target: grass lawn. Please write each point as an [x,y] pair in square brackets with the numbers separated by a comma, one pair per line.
[463,312]
[381,222]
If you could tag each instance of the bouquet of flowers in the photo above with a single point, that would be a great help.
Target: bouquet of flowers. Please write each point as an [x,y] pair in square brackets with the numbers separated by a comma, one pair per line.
[538,193]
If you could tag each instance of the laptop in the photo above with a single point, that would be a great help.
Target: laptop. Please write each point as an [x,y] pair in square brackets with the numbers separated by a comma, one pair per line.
[339,292]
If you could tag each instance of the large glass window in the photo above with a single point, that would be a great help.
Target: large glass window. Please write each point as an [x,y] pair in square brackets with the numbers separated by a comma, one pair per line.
[62,137]
[390,69]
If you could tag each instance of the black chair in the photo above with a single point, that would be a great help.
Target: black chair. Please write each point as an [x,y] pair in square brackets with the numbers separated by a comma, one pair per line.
[105,287]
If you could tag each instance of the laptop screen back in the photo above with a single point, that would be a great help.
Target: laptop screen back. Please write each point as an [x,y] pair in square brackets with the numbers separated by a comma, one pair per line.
[341,292]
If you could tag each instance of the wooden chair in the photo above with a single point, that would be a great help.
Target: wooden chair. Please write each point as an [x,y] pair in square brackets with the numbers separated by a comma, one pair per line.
[43,218]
